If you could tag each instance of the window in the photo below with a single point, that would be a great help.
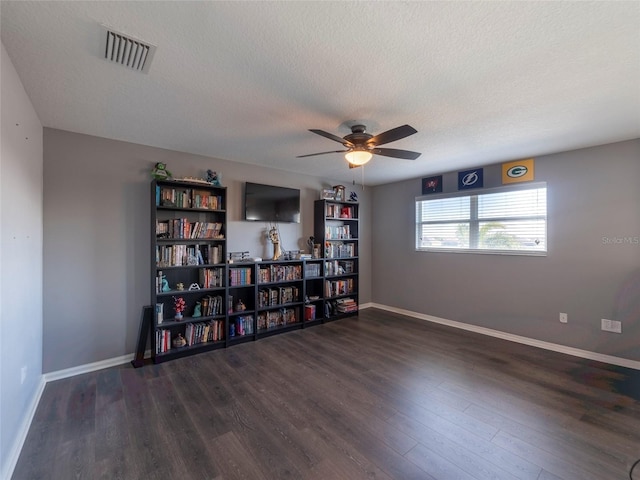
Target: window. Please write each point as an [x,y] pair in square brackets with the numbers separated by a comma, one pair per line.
[503,220]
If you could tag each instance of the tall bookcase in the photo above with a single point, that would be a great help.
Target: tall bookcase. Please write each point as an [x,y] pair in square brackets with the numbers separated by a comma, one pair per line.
[336,223]
[188,239]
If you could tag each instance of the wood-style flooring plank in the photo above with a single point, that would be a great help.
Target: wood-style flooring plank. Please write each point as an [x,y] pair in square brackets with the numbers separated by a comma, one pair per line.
[376,396]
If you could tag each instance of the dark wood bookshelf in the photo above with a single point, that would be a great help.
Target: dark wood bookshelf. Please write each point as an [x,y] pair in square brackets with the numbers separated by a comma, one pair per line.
[336,224]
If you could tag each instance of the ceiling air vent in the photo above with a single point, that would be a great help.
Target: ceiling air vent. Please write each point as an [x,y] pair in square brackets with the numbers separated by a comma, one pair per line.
[127,50]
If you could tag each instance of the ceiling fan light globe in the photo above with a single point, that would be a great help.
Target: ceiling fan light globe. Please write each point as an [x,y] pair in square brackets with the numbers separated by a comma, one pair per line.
[358,157]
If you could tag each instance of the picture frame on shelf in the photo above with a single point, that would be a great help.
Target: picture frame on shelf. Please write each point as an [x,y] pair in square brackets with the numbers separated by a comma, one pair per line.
[327,194]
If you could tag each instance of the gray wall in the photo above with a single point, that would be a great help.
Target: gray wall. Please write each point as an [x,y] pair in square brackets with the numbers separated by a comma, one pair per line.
[97,231]
[593,195]
[20,263]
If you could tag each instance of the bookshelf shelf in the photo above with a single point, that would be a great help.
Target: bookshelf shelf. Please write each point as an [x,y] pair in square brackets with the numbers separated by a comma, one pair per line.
[337,223]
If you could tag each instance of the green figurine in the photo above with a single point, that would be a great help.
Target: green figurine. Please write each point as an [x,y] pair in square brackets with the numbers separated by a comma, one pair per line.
[165,284]
[160,172]
[197,312]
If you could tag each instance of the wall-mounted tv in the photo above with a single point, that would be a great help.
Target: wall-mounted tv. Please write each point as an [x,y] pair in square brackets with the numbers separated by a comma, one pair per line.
[267,203]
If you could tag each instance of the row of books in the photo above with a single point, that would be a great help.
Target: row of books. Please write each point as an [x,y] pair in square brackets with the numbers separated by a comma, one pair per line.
[182,255]
[279,273]
[240,326]
[339,250]
[204,199]
[187,198]
[312,270]
[340,211]
[163,340]
[211,277]
[334,288]
[309,312]
[337,232]
[239,276]
[339,267]
[346,305]
[211,305]
[204,332]
[180,228]
[277,318]
[269,297]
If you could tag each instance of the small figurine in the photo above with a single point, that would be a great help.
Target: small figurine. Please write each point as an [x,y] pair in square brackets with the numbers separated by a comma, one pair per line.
[160,172]
[194,286]
[197,311]
[165,284]
[180,286]
[213,178]
[353,197]
[179,341]
[240,306]
[275,239]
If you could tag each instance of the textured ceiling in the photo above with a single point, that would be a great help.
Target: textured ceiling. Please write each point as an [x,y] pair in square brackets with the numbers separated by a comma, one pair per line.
[482,82]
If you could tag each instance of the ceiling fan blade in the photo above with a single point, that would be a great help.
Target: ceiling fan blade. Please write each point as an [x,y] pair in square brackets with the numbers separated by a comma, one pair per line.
[333,137]
[392,135]
[395,153]
[321,153]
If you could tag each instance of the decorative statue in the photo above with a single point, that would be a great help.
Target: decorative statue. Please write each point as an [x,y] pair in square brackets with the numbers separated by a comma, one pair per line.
[275,239]
[213,178]
[165,284]
[160,172]
[197,311]
[353,197]
[180,286]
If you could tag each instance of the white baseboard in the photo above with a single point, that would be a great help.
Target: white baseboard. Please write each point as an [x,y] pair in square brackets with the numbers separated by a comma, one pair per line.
[576,352]
[89,367]
[12,460]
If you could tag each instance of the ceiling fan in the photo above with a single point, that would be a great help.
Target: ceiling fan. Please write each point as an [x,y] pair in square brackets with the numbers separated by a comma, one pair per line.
[361,146]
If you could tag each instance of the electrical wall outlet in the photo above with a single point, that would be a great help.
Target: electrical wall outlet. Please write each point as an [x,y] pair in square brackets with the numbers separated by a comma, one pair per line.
[564,318]
[614,326]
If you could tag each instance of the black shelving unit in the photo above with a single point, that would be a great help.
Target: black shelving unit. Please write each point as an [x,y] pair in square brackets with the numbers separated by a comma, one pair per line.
[188,261]
[337,224]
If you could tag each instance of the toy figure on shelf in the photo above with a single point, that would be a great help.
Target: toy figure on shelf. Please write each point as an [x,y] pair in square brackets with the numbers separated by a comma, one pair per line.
[179,341]
[275,239]
[353,197]
[214,178]
[165,284]
[197,311]
[160,172]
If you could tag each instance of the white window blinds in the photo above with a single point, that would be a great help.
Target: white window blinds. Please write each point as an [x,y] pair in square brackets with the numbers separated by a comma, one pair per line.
[503,220]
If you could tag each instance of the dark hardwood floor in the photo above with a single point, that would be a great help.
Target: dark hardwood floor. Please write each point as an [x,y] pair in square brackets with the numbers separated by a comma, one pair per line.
[379,396]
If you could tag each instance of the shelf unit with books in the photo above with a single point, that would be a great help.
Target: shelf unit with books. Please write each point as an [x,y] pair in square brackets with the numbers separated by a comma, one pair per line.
[280,291]
[241,302]
[336,222]
[188,248]
[313,291]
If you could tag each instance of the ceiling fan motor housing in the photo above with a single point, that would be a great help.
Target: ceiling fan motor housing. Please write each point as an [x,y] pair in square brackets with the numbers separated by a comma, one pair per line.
[359,137]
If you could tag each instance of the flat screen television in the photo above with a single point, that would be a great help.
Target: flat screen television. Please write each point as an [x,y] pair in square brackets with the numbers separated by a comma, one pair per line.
[268,203]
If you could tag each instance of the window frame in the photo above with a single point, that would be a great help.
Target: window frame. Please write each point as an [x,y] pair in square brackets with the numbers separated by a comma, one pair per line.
[474,222]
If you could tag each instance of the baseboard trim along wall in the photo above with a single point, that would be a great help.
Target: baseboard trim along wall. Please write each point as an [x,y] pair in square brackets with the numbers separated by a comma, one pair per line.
[576,352]
[18,442]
